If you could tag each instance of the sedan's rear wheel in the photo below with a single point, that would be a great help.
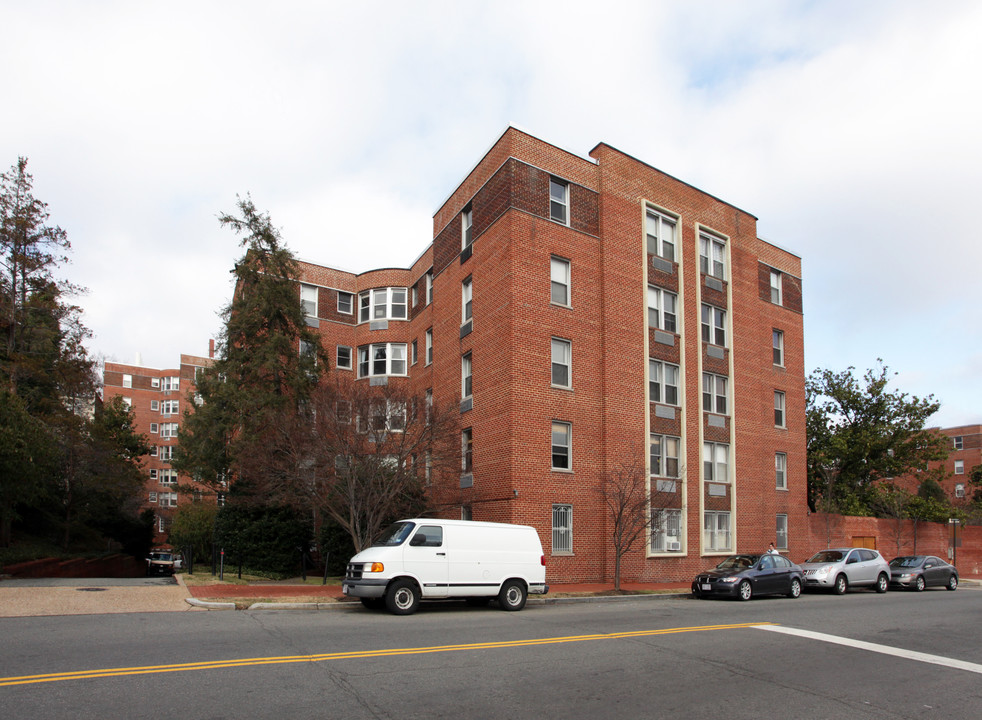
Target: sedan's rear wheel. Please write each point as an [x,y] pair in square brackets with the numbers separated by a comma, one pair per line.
[795,590]
[882,583]
[952,583]
[919,583]
[745,590]
[841,585]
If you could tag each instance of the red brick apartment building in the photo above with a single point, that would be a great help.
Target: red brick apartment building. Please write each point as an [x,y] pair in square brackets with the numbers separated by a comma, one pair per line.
[586,314]
[158,399]
[965,454]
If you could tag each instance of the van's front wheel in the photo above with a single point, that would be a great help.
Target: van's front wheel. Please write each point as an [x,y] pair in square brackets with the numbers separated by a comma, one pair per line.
[512,596]
[402,597]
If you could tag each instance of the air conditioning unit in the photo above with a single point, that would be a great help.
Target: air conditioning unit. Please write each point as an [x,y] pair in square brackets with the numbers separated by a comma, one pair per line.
[674,546]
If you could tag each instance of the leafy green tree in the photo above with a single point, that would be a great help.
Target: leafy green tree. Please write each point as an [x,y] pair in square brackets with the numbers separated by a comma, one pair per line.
[859,432]
[267,539]
[193,527]
[100,481]
[269,363]
[27,457]
[31,304]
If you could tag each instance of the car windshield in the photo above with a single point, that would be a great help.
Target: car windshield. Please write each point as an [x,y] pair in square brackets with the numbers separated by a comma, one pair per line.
[161,556]
[395,534]
[737,562]
[908,561]
[826,556]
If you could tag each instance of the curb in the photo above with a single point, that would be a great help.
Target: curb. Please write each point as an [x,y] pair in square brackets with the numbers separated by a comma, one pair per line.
[209,605]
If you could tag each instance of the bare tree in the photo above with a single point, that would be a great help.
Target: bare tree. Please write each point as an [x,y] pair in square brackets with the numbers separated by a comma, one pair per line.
[624,490]
[358,454]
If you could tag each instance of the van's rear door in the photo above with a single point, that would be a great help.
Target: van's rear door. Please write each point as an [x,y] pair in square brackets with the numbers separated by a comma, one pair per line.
[425,557]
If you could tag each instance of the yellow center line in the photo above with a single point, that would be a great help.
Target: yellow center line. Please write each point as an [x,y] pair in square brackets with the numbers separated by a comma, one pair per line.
[352,655]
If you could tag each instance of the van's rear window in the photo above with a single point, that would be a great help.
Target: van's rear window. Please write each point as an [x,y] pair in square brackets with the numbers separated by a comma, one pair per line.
[395,534]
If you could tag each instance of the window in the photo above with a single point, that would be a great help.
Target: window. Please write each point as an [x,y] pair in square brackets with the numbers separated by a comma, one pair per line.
[413,352]
[776,286]
[169,407]
[663,455]
[778,342]
[467,450]
[153,451]
[344,357]
[561,446]
[153,474]
[429,346]
[959,467]
[661,309]
[781,531]
[959,490]
[561,353]
[382,304]
[466,377]
[346,303]
[560,281]
[666,530]
[127,404]
[715,462]
[155,383]
[716,527]
[778,408]
[382,359]
[152,497]
[168,430]
[663,382]
[153,428]
[562,529]
[713,325]
[558,201]
[712,256]
[166,453]
[958,442]
[155,405]
[167,499]
[714,393]
[781,471]
[171,383]
[466,221]
[466,297]
[429,287]
[308,298]
[127,381]
[660,231]
[168,477]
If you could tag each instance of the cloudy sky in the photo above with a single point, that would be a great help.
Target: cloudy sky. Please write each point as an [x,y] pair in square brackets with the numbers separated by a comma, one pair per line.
[852,130]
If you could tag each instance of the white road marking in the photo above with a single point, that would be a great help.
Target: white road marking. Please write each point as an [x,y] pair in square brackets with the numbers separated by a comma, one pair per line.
[873,647]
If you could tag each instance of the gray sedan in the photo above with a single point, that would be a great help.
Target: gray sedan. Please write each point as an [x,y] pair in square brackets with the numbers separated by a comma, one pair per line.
[921,571]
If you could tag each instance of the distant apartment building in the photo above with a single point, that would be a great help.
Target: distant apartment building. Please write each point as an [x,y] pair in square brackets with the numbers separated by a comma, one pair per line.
[158,399]
[586,315]
[965,453]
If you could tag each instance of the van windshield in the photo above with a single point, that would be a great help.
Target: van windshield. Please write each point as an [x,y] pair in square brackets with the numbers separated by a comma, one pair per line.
[395,534]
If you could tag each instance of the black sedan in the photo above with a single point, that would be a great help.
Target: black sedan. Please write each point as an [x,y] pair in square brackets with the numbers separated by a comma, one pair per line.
[743,576]
[920,571]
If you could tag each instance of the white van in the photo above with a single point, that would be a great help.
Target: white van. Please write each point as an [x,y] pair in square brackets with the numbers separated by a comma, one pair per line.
[427,559]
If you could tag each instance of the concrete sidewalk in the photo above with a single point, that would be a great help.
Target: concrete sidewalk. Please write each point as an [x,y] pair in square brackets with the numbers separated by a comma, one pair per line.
[91,596]
[87,596]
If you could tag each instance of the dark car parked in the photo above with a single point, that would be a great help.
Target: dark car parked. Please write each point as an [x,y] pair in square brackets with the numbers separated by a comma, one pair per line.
[743,576]
[921,571]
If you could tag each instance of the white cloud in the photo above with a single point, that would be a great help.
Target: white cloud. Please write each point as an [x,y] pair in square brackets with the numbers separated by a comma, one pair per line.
[849,129]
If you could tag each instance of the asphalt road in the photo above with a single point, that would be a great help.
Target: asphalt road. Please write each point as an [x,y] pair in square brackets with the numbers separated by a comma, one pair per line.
[649,658]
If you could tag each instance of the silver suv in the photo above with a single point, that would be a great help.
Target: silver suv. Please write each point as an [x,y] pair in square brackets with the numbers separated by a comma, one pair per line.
[842,568]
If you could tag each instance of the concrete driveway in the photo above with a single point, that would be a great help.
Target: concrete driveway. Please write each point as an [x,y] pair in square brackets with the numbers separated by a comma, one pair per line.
[92,596]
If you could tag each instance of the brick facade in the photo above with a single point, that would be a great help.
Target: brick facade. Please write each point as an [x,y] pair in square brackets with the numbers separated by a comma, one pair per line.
[158,398]
[606,324]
